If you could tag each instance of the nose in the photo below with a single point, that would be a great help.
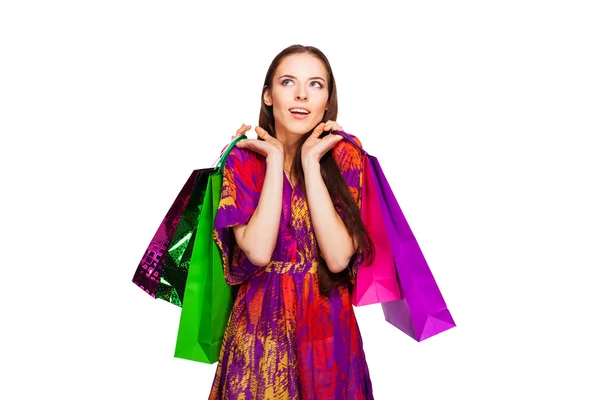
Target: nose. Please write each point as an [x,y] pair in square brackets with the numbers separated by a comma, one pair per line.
[301,94]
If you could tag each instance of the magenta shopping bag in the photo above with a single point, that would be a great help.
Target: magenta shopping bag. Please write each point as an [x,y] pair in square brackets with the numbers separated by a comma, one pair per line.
[422,312]
[376,282]
[148,273]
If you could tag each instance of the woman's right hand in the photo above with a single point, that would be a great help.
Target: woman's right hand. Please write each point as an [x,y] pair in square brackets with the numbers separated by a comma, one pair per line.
[266,147]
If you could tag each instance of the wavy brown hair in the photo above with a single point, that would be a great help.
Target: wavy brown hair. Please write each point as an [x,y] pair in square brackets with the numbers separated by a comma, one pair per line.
[332,176]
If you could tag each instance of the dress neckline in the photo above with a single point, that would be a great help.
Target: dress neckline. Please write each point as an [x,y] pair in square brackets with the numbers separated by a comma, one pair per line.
[287,179]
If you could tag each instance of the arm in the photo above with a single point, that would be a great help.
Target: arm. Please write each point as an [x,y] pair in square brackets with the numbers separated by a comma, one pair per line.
[335,242]
[257,238]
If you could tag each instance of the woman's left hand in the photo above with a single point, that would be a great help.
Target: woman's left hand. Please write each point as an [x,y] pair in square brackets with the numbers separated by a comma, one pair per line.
[314,148]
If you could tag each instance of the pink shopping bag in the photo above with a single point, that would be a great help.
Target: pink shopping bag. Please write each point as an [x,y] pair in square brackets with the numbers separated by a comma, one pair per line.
[377,282]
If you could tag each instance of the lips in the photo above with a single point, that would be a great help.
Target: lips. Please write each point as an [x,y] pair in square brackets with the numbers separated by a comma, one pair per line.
[299,112]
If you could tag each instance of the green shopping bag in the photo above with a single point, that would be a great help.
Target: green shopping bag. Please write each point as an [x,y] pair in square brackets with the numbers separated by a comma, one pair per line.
[208,299]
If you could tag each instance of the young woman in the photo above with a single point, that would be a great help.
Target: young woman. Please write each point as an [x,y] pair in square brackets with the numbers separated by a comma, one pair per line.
[291,235]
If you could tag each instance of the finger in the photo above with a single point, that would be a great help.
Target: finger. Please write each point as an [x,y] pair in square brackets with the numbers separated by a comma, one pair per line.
[254,145]
[333,140]
[264,135]
[326,144]
[319,130]
[246,144]
[332,126]
[243,129]
[330,142]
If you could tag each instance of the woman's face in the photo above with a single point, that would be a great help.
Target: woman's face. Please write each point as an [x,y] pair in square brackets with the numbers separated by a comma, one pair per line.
[298,94]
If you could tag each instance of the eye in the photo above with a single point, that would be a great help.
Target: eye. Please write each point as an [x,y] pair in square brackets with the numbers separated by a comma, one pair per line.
[316,84]
[286,82]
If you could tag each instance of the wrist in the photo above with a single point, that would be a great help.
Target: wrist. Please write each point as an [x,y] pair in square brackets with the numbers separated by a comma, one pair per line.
[310,162]
[311,165]
[275,158]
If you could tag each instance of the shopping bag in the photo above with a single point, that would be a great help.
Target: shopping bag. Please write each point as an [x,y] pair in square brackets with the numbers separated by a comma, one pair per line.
[163,270]
[177,258]
[376,282]
[149,270]
[208,298]
[422,312]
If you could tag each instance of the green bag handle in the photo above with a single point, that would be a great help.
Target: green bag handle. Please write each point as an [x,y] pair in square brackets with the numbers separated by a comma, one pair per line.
[220,165]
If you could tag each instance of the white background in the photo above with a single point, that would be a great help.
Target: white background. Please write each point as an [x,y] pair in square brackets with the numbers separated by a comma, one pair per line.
[482,114]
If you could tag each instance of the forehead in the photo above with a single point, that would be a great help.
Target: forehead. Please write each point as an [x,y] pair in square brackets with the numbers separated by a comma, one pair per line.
[302,65]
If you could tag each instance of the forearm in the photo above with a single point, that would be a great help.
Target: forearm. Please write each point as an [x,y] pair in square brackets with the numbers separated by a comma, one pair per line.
[335,242]
[258,237]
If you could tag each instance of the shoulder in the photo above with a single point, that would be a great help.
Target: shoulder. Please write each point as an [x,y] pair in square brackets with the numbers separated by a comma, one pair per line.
[244,159]
[347,155]
[244,170]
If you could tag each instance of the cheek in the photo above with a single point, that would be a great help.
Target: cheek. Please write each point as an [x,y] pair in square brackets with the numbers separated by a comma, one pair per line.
[278,105]
[280,96]
[322,105]
[278,113]
[323,98]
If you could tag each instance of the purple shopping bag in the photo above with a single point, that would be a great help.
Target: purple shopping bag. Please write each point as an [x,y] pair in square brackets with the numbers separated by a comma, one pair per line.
[422,312]
[148,273]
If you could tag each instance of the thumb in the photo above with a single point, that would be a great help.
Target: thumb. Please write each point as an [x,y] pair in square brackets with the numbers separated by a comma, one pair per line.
[318,130]
[261,133]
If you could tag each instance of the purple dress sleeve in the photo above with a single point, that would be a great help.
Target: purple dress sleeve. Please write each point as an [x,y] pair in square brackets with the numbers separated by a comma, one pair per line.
[243,177]
[350,162]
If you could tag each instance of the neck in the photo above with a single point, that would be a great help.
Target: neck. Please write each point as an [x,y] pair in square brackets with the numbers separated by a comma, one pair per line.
[290,147]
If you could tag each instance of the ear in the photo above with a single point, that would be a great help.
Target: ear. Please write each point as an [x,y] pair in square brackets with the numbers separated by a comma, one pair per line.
[267,97]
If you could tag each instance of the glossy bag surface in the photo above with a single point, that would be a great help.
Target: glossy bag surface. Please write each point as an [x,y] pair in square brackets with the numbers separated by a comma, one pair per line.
[422,312]
[149,271]
[376,282]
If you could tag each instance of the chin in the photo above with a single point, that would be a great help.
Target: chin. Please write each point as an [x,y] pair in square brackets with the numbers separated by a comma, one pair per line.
[301,127]
[299,131]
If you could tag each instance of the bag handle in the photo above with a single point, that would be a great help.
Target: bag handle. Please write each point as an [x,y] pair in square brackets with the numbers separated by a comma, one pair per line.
[348,138]
[221,162]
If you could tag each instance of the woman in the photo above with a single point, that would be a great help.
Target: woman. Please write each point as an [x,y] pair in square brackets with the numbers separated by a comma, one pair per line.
[289,229]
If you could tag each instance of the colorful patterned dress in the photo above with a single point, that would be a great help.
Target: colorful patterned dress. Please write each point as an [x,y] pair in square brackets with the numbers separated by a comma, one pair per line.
[284,340]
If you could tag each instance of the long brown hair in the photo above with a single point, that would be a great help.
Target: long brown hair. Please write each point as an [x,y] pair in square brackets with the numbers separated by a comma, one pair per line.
[332,176]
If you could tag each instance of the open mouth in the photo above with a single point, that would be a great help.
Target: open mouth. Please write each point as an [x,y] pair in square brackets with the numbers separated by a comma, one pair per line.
[299,111]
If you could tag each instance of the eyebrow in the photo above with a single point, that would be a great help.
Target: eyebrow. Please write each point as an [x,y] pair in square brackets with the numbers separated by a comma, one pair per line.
[293,77]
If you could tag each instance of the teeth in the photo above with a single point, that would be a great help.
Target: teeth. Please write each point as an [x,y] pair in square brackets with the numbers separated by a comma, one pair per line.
[299,110]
